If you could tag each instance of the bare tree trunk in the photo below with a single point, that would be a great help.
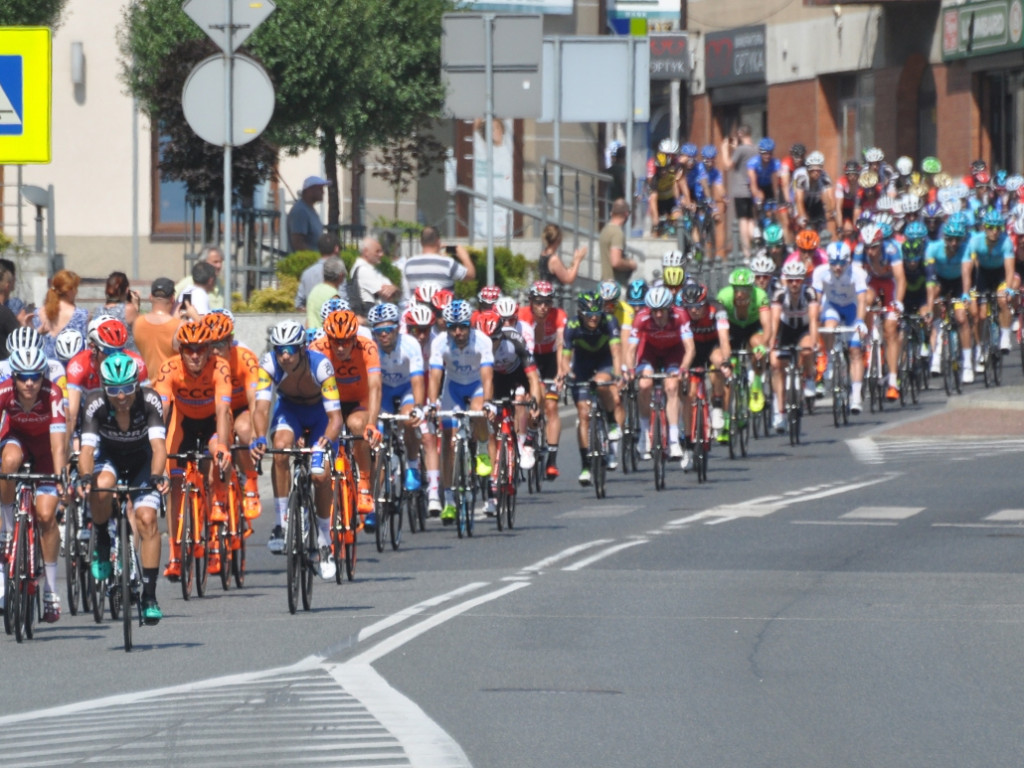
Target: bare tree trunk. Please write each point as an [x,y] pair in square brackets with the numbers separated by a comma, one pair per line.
[330,150]
[356,189]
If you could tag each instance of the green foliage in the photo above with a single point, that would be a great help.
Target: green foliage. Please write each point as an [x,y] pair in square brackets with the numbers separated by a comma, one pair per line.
[510,273]
[280,299]
[31,13]
[383,222]
[294,264]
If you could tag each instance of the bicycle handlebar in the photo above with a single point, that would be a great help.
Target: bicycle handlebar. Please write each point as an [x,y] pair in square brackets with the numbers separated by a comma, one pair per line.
[31,476]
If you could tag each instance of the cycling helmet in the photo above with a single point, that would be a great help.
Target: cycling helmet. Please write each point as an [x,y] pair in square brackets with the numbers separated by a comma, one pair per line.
[668,147]
[419,315]
[904,165]
[488,294]
[982,179]
[951,207]
[933,211]
[960,191]
[490,323]
[872,235]
[119,370]
[708,152]
[993,218]
[333,304]
[541,289]
[636,293]
[864,219]
[312,334]
[1017,225]
[884,203]
[868,179]
[341,325]
[741,277]
[978,165]
[68,344]
[999,180]
[885,222]
[766,145]
[220,326]
[287,332]
[224,311]
[609,290]
[457,312]
[28,360]
[589,303]
[672,259]
[111,334]
[910,203]
[794,270]
[424,293]
[674,276]
[382,313]
[931,165]
[873,155]
[954,228]
[913,251]
[838,253]
[773,235]
[762,264]
[659,297]
[851,166]
[507,307]
[688,150]
[815,160]
[693,294]
[22,338]
[915,230]
[798,150]
[1013,183]
[807,240]
[442,299]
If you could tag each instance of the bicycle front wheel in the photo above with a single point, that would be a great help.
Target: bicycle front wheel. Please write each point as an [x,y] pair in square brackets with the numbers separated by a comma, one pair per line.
[125,554]
[502,481]
[16,600]
[186,549]
[700,446]
[95,588]
[309,550]
[381,499]
[293,551]
[462,491]
[72,557]
[658,445]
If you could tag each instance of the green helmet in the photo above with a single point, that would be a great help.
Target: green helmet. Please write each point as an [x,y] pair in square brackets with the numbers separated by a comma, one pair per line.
[773,235]
[931,165]
[741,277]
[118,370]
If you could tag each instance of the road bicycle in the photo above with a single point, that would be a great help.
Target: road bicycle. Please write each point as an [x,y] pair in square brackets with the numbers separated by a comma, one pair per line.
[507,476]
[389,481]
[876,371]
[599,446]
[991,356]
[300,538]
[700,422]
[23,592]
[77,555]
[794,401]
[464,481]
[232,532]
[630,448]
[913,364]
[193,523]
[345,521]
[947,342]
[659,427]
[739,404]
[839,365]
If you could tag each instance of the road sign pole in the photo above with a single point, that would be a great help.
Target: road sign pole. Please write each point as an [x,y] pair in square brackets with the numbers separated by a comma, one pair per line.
[630,197]
[489,136]
[228,133]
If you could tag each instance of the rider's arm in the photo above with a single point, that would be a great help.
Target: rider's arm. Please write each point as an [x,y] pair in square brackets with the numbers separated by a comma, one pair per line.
[58,429]
[901,280]
[373,396]
[967,273]
[755,190]
[222,406]
[157,433]
[487,382]
[813,320]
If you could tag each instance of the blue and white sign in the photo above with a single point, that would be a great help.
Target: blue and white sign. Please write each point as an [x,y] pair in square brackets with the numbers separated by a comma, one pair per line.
[12,105]
[554,7]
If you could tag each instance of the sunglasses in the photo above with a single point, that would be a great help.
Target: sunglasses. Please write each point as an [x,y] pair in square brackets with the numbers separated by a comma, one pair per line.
[28,376]
[108,351]
[421,328]
[288,349]
[993,227]
[541,302]
[382,329]
[193,349]
[453,326]
[952,239]
[123,389]
[590,315]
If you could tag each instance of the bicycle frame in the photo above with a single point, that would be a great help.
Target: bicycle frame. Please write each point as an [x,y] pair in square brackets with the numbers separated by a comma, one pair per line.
[193,517]
[463,481]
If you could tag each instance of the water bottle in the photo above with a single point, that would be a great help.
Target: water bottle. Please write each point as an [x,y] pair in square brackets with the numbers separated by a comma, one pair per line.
[316,462]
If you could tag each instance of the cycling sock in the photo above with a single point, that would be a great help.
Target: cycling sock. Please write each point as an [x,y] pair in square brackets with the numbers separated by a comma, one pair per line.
[855,389]
[583,457]
[282,510]
[552,455]
[413,463]
[51,576]
[673,433]
[103,537]
[433,482]
[323,525]
[149,583]
[449,497]
[7,510]
[892,379]
[645,431]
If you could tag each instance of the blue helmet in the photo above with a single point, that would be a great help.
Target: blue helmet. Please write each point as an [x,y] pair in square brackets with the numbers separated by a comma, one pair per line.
[954,228]
[708,152]
[933,211]
[766,145]
[915,230]
[688,149]
[636,292]
[884,222]
[993,218]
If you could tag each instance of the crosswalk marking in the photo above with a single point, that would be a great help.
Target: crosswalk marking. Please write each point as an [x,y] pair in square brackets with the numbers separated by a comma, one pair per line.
[871,451]
[882,513]
[1007,516]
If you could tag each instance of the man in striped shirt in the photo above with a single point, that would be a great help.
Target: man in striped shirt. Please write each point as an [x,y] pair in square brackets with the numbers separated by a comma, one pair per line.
[434,265]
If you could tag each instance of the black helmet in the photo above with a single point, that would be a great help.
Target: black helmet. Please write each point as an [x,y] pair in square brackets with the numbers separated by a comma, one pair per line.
[693,293]
[798,150]
[589,303]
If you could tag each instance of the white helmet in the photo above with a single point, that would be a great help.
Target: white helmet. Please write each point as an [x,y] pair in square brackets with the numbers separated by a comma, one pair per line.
[673,259]
[873,155]
[904,165]
[659,297]
[506,307]
[94,325]
[21,338]
[884,203]
[815,160]
[68,344]
[668,147]
[419,314]
[794,270]
[287,332]
[333,304]
[910,203]
[762,264]
[28,360]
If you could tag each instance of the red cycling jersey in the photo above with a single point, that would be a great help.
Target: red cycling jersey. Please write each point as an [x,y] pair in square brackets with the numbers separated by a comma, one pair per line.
[660,341]
[32,428]
[544,337]
[84,371]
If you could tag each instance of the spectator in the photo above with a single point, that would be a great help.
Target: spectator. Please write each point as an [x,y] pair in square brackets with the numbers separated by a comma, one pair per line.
[59,311]
[17,306]
[313,275]
[8,320]
[615,265]
[334,278]
[617,170]
[367,285]
[154,331]
[122,303]
[550,267]
[213,256]
[304,225]
[433,266]
[736,153]
[195,302]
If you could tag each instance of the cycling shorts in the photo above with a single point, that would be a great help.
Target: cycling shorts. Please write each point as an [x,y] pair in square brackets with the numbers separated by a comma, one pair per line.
[37,452]
[989,280]
[297,419]
[844,314]
[790,336]
[744,207]
[581,390]
[458,397]
[393,399]
[739,336]
[703,357]
[667,362]
[914,300]
[884,288]
[506,384]
[952,287]
[192,433]
[583,368]
[149,498]
[665,207]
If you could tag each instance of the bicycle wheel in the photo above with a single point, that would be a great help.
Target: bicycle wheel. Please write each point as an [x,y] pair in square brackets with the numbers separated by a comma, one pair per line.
[658,445]
[382,499]
[956,359]
[72,557]
[16,601]
[125,554]
[238,552]
[700,452]
[510,497]
[396,495]
[502,481]
[203,542]
[293,550]
[31,586]
[946,365]
[310,550]
[995,354]
[461,487]
[9,595]
[793,396]
[598,455]
[96,587]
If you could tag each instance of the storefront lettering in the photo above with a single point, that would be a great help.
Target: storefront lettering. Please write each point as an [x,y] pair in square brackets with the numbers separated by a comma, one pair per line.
[748,62]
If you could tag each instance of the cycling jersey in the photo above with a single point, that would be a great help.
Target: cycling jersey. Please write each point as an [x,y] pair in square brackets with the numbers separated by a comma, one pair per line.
[623,314]
[84,371]
[695,179]
[194,396]
[705,329]
[764,174]
[814,203]
[990,256]
[461,366]
[594,346]
[245,375]
[545,336]
[320,371]
[659,344]
[663,182]
[31,429]
[758,299]
[841,291]
[795,308]
[352,375]
[512,354]
[398,366]
[880,266]
[946,266]
[128,450]
[846,197]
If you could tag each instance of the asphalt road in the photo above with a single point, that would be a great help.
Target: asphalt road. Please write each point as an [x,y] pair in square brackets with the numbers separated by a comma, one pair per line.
[854,601]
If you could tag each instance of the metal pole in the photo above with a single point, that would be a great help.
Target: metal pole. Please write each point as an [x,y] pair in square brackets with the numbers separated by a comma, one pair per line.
[135,189]
[631,66]
[21,233]
[558,127]
[228,130]
[489,137]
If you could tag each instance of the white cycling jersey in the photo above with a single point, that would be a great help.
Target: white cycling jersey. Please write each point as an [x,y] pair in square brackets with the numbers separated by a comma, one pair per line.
[461,366]
[839,291]
[398,366]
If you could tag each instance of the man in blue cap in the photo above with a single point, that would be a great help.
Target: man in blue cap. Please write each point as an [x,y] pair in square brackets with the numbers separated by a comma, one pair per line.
[304,224]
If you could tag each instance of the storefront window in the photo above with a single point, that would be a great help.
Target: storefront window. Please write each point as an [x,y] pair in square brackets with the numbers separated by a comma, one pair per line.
[1005,116]
[857,112]
[927,143]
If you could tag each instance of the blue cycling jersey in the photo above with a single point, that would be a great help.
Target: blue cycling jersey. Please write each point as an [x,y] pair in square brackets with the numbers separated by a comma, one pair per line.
[764,172]
[990,256]
[947,266]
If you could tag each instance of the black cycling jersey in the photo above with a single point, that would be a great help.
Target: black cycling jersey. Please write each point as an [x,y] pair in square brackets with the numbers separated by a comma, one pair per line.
[512,354]
[795,308]
[127,449]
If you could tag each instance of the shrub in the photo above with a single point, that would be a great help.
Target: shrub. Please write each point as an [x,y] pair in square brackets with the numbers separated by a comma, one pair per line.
[510,273]
[294,264]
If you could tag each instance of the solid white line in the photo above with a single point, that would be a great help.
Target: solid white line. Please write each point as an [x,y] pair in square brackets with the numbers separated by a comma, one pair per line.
[540,565]
[841,522]
[414,610]
[685,520]
[718,521]
[399,639]
[1015,526]
[603,554]
[844,488]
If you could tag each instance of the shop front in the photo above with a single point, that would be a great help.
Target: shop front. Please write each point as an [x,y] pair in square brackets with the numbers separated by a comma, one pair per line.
[734,77]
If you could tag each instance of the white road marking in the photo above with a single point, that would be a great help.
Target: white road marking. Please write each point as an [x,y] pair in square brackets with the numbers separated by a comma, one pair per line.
[1007,515]
[865,449]
[882,513]
[603,554]
[1015,526]
[540,565]
[843,522]
[414,610]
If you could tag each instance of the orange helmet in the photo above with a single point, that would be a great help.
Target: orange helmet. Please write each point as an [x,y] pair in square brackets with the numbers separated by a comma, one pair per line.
[193,333]
[807,240]
[341,325]
[220,326]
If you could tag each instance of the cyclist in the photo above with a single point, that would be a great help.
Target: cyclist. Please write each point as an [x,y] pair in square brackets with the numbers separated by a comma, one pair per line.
[419,324]
[716,187]
[614,305]
[485,300]
[795,312]
[696,191]
[887,285]
[808,250]
[356,364]
[123,425]
[765,271]
[33,430]
[195,390]
[549,328]
[947,257]
[989,269]
[662,181]
[403,388]
[919,271]
[592,349]
[307,403]
[812,196]
[749,311]
[709,323]
[846,194]
[769,180]
[462,360]
[245,378]
[69,343]
[775,244]
[842,290]
[661,342]
[507,309]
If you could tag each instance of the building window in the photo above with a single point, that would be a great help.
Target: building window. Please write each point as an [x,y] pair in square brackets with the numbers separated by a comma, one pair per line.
[170,212]
[857,112]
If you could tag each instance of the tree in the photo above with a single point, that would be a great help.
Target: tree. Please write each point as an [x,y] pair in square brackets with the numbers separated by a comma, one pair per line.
[31,13]
[404,159]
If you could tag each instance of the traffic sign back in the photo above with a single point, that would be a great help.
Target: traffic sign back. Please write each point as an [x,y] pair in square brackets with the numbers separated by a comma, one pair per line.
[212,17]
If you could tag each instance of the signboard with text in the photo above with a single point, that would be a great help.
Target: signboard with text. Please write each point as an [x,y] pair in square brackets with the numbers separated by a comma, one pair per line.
[670,56]
[981,28]
[734,56]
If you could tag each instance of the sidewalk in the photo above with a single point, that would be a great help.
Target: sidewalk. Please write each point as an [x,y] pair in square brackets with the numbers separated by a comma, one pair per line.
[996,412]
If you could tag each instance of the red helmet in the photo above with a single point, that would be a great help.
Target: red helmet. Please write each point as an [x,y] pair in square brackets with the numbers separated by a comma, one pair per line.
[112,334]
[489,294]
[442,299]
[424,293]
[541,289]
[490,323]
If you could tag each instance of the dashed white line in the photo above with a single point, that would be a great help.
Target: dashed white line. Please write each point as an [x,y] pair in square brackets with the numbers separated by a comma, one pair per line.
[603,554]
[540,565]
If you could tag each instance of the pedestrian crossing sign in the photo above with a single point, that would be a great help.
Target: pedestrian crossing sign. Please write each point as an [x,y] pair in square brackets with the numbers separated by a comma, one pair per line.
[25,94]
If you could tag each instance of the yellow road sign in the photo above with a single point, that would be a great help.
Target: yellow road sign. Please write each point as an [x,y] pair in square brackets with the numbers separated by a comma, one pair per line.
[25,94]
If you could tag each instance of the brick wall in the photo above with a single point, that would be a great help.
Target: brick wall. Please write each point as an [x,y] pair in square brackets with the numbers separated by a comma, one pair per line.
[906,107]
[701,128]
[959,130]
[805,112]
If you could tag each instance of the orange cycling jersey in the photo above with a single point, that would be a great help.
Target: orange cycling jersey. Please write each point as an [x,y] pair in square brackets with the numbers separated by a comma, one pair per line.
[245,375]
[194,397]
[351,375]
